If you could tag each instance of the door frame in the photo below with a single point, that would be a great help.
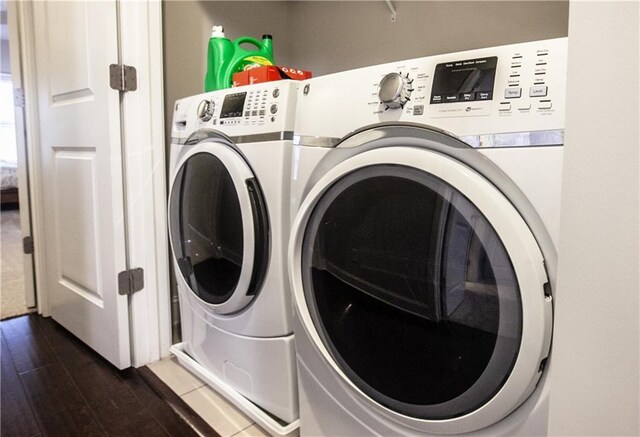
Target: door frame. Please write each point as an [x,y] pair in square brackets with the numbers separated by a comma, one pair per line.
[143,155]
[23,156]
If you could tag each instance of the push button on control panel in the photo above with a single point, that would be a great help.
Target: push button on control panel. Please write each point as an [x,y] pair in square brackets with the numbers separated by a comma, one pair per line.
[544,104]
[538,91]
[274,108]
[512,93]
[504,106]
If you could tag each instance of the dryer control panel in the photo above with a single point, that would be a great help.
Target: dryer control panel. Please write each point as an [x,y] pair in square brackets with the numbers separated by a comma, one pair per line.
[238,112]
[517,88]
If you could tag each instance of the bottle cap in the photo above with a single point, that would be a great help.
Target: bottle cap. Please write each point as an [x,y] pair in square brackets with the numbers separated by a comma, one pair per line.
[267,36]
[217,32]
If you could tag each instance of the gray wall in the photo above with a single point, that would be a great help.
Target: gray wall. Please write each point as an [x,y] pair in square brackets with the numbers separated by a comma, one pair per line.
[335,35]
[595,364]
[325,36]
[187,28]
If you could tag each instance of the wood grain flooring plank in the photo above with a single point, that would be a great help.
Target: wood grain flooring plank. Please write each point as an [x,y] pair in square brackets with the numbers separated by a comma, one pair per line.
[109,396]
[173,420]
[74,391]
[58,405]
[16,416]
[109,392]
[56,334]
[29,349]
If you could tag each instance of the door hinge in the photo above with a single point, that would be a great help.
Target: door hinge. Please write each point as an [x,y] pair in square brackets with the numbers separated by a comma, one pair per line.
[18,97]
[130,281]
[27,245]
[123,77]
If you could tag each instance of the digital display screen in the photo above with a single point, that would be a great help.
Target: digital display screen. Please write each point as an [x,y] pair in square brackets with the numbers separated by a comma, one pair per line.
[233,105]
[464,81]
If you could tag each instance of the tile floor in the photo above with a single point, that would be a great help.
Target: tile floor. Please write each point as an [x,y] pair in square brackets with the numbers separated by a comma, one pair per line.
[221,415]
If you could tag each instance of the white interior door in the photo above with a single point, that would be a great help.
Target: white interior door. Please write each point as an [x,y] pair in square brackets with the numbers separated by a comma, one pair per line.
[82,183]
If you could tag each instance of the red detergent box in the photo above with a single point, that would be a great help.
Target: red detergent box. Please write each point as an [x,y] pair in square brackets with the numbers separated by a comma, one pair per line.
[268,73]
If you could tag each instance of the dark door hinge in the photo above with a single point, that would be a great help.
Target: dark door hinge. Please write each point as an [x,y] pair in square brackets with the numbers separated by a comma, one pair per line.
[123,77]
[130,281]
[27,245]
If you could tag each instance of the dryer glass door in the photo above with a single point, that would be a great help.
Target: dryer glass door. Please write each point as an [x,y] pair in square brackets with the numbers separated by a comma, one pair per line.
[218,227]
[413,291]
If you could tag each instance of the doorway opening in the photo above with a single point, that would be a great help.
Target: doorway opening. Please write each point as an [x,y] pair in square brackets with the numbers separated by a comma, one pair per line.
[16,290]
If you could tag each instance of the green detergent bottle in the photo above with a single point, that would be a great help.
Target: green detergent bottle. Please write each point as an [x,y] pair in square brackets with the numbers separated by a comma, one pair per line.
[226,57]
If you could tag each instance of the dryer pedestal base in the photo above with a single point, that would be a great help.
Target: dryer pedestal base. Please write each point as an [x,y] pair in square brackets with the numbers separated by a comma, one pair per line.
[262,418]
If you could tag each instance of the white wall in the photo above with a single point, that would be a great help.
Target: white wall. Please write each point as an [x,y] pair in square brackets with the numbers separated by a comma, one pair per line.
[595,364]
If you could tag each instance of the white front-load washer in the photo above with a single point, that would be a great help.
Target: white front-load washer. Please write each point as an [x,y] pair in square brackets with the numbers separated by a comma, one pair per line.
[229,226]
[422,257]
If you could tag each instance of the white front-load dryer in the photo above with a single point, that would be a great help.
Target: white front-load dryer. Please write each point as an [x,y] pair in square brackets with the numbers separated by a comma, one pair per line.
[422,257]
[228,225]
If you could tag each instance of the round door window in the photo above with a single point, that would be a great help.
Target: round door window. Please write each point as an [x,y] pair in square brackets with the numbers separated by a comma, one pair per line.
[412,292]
[206,228]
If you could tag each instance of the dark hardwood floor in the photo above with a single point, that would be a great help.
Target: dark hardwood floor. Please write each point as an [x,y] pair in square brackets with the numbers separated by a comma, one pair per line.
[52,384]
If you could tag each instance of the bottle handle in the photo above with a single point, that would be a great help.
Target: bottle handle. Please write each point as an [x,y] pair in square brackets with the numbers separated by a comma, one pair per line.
[247,40]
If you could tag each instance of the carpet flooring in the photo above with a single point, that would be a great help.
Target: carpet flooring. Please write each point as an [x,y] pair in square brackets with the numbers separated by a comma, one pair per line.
[12,299]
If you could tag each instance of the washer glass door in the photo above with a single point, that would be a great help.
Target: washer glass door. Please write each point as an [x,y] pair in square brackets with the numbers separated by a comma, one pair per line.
[412,291]
[218,227]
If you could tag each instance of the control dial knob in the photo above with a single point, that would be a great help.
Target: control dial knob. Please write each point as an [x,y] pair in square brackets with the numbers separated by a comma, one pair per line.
[205,110]
[395,90]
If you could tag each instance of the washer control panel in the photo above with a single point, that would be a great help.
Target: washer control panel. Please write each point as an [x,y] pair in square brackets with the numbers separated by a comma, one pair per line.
[527,87]
[506,89]
[468,82]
